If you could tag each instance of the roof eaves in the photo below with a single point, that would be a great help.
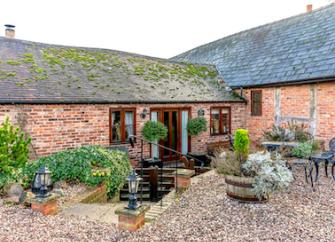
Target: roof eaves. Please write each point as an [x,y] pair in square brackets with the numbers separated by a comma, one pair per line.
[84,101]
[287,83]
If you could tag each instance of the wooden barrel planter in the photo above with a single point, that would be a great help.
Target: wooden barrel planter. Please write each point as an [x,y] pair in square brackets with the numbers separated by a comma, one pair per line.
[240,188]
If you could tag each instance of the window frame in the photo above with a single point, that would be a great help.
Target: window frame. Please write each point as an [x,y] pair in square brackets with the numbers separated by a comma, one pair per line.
[123,124]
[252,104]
[220,120]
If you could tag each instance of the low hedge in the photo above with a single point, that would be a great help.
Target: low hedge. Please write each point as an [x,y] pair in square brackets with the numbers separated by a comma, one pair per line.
[80,166]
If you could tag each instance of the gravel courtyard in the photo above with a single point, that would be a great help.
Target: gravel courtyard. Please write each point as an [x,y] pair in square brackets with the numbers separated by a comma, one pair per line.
[203,213]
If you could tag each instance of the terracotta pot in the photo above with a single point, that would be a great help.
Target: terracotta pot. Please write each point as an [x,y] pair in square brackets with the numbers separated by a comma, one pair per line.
[240,188]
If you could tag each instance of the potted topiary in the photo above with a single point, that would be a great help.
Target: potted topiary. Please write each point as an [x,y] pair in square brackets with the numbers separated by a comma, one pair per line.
[251,177]
[153,131]
[196,126]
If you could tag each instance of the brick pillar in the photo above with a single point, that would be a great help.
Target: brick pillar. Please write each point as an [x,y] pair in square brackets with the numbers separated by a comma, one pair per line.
[46,206]
[131,220]
[184,179]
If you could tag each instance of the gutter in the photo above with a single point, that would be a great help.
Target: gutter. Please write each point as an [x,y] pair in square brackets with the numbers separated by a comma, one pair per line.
[288,83]
[93,101]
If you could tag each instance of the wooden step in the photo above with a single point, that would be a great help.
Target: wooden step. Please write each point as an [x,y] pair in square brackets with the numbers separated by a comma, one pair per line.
[145,183]
[145,189]
[126,196]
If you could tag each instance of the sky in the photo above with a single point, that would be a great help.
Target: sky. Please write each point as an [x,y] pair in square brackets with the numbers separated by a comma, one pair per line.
[161,28]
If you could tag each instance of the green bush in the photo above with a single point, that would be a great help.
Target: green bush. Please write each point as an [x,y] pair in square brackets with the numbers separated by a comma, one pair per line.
[153,131]
[79,165]
[241,144]
[14,151]
[304,150]
[196,126]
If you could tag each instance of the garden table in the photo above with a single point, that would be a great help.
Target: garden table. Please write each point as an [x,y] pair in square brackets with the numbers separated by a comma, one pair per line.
[275,145]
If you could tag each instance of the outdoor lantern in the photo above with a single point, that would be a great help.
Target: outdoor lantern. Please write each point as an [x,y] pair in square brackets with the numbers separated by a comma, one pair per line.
[42,183]
[144,113]
[201,112]
[133,183]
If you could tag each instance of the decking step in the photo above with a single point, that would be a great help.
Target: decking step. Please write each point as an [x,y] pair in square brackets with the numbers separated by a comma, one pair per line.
[145,189]
[126,196]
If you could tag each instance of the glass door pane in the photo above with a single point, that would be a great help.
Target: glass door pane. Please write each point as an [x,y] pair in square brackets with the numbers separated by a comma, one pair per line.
[154,148]
[184,134]
[174,131]
[166,117]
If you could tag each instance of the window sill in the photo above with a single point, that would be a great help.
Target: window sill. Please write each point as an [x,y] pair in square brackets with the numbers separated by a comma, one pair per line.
[220,134]
[120,143]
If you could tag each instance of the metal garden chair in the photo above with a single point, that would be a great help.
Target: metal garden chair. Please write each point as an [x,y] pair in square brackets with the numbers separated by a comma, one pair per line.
[327,157]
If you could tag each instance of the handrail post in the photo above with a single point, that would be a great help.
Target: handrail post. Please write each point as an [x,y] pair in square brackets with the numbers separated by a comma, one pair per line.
[161,186]
[142,171]
[166,148]
[175,180]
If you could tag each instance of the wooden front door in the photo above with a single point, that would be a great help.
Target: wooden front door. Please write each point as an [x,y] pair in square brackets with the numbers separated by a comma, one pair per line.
[177,139]
[170,120]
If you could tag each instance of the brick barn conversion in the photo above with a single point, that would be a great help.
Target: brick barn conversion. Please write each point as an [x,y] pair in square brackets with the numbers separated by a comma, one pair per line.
[285,69]
[66,97]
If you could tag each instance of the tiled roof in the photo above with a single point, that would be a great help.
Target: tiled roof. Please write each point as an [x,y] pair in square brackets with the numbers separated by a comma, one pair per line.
[290,50]
[41,73]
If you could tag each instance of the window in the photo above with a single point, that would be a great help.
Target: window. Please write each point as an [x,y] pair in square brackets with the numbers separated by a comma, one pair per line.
[256,103]
[122,124]
[220,121]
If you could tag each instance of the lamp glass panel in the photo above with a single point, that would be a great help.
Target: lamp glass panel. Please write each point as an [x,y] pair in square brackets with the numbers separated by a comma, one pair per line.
[37,181]
[137,183]
[132,186]
[43,180]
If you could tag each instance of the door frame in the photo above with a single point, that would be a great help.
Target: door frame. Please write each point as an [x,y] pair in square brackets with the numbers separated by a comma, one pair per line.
[179,110]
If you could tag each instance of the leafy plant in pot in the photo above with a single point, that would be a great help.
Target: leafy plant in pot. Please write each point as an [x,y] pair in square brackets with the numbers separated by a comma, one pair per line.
[154,131]
[251,177]
[196,126]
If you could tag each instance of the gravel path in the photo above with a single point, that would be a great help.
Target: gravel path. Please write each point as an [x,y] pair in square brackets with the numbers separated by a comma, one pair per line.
[204,213]
[19,224]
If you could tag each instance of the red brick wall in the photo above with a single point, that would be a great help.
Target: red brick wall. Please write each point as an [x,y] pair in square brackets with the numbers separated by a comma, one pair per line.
[296,103]
[257,124]
[326,111]
[57,127]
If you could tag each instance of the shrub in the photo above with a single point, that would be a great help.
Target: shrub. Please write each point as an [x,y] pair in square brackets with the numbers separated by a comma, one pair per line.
[291,132]
[241,144]
[278,134]
[153,131]
[305,149]
[14,151]
[225,162]
[271,176]
[300,132]
[79,166]
[196,126]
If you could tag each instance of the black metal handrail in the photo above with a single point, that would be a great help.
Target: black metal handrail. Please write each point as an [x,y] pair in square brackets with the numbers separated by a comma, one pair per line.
[131,141]
[162,146]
